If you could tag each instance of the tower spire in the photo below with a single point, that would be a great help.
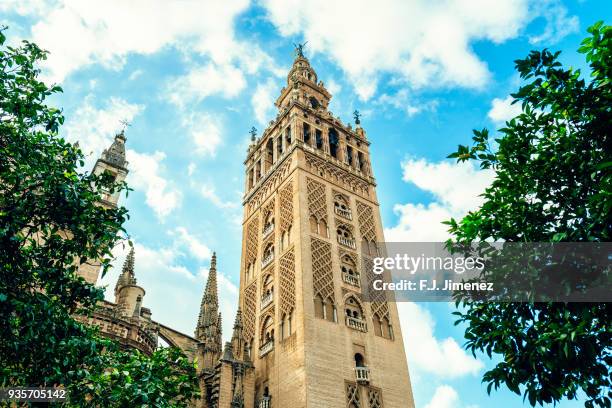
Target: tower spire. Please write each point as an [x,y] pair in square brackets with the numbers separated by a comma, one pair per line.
[237,334]
[127,276]
[208,330]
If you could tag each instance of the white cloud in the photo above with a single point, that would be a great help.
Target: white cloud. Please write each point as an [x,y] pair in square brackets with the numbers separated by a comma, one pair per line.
[80,33]
[455,188]
[427,354]
[403,101]
[422,43]
[191,168]
[558,23]
[445,396]
[94,128]
[208,191]
[137,73]
[173,290]
[263,99]
[145,175]
[194,245]
[203,81]
[503,110]
[204,130]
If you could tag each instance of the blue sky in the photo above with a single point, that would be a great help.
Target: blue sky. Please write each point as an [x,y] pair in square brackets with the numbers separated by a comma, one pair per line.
[192,77]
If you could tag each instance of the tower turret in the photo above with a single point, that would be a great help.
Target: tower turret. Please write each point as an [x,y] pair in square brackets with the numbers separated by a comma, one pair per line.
[128,295]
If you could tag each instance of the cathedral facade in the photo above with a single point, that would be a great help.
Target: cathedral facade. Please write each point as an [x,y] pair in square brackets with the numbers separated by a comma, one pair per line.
[304,334]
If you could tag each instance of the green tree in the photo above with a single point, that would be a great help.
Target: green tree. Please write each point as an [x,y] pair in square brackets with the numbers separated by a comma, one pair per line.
[552,184]
[50,223]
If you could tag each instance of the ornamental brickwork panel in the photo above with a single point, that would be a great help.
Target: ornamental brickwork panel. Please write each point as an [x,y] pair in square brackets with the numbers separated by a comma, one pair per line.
[323,280]
[250,304]
[287,283]
[365,217]
[286,206]
[317,202]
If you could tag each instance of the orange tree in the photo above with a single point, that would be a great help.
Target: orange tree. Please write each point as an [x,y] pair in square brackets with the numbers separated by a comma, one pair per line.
[552,184]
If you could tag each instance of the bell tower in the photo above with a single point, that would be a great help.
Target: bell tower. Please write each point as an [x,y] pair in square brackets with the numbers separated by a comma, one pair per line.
[310,203]
[113,162]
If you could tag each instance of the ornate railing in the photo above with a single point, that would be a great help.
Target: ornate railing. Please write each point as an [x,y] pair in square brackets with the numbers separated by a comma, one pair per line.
[267,260]
[356,324]
[266,300]
[362,374]
[268,230]
[351,279]
[265,402]
[266,348]
[344,213]
[348,242]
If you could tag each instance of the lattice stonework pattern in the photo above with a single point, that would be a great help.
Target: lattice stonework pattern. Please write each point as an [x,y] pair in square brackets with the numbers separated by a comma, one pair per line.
[317,202]
[287,283]
[353,398]
[323,280]
[374,398]
[249,311]
[378,299]
[286,206]
[365,216]
[252,234]
[269,207]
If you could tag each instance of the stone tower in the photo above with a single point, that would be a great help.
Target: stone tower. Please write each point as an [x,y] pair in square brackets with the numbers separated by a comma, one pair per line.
[111,161]
[310,202]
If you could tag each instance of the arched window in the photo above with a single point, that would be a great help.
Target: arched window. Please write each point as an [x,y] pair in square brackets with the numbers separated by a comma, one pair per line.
[349,271]
[267,331]
[269,153]
[341,206]
[268,226]
[268,255]
[333,142]
[345,236]
[354,317]
[359,361]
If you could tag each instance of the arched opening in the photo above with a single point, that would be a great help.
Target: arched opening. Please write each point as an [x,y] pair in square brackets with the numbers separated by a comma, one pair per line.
[333,142]
[354,317]
[288,136]
[349,271]
[341,206]
[318,139]
[269,154]
[314,225]
[306,133]
[268,225]
[345,236]
[349,155]
[268,255]
[359,361]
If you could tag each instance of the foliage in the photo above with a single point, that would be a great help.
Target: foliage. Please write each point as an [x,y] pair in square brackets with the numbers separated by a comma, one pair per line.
[49,224]
[552,184]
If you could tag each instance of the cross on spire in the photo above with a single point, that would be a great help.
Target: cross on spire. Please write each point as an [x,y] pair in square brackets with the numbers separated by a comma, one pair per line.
[357,117]
[253,133]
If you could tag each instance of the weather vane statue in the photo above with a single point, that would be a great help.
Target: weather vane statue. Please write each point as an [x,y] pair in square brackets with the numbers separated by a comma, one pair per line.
[357,117]
[125,124]
[253,133]
[299,49]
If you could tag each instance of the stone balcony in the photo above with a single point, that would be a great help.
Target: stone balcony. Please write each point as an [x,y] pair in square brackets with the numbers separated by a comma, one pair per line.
[267,230]
[266,348]
[351,279]
[265,402]
[344,213]
[362,374]
[356,324]
[347,242]
[266,300]
[267,260]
